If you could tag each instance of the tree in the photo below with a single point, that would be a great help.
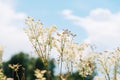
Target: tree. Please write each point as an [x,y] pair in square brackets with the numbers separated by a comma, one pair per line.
[28,65]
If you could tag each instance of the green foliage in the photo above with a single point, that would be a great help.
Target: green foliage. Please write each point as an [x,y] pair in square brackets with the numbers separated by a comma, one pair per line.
[26,71]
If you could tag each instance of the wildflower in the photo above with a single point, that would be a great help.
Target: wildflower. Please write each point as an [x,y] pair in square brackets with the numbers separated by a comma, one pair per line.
[104,62]
[63,77]
[2,76]
[66,49]
[41,38]
[86,66]
[15,67]
[40,74]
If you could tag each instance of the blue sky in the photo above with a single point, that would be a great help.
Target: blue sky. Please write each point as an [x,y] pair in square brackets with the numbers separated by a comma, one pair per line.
[49,12]
[94,21]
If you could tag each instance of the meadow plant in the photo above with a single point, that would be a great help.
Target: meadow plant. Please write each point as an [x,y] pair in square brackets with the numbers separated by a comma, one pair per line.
[2,76]
[44,39]
[71,55]
[84,63]
[115,61]
[108,64]
[15,68]
[40,74]
[104,62]
[41,38]
[65,47]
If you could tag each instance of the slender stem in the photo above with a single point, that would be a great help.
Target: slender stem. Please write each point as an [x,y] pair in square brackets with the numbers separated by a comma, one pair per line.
[17,75]
[35,48]
[48,75]
[105,77]
[83,74]
[67,65]
[61,56]
[108,76]
[23,75]
[115,71]
[40,49]
[71,67]
[60,66]
[105,69]
[13,73]
[83,78]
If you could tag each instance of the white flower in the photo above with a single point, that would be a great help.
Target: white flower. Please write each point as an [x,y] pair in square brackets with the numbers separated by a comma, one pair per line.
[40,74]
[41,38]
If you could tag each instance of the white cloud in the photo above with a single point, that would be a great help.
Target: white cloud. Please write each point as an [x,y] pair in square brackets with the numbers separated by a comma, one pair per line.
[12,36]
[101,25]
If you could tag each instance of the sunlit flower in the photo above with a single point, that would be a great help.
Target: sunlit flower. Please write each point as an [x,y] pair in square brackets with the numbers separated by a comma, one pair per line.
[41,38]
[66,48]
[86,66]
[72,54]
[2,76]
[40,74]
[15,67]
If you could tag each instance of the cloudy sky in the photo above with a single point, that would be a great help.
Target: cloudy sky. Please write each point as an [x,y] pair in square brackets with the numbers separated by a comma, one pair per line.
[94,21]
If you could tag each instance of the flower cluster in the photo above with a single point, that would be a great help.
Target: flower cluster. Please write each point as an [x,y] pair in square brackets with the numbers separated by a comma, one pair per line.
[40,74]
[85,63]
[66,49]
[108,63]
[2,76]
[41,38]
[70,54]
[15,67]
